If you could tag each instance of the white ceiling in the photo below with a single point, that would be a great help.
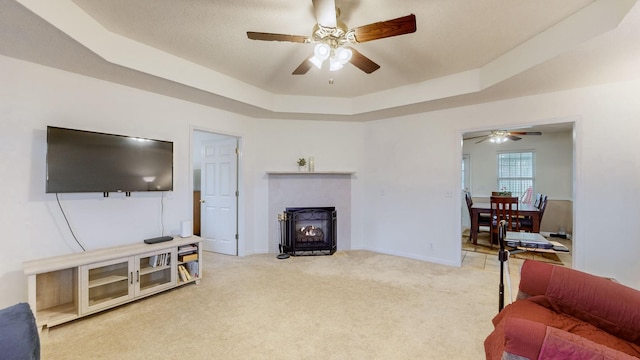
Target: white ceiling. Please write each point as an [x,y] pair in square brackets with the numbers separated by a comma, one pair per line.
[463,52]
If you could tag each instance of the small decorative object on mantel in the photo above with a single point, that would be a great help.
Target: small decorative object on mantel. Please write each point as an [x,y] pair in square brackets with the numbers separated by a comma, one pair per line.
[312,164]
[302,162]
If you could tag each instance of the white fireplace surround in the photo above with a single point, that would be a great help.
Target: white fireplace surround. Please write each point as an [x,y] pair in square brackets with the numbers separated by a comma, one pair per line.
[310,189]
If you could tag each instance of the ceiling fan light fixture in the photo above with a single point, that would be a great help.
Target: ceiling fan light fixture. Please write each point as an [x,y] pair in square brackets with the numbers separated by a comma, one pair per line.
[343,55]
[340,57]
[320,53]
[335,64]
[498,139]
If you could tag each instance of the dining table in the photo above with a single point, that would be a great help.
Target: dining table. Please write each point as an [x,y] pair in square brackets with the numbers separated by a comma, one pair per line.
[481,208]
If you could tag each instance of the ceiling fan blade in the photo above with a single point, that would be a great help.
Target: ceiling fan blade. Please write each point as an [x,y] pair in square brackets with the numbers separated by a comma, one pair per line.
[325,11]
[400,26]
[514,138]
[525,133]
[303,67]
[277,37]
[475,137]
[362,62]
[487,137]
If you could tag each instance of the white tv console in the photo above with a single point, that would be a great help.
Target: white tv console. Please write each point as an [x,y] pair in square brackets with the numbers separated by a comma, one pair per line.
[67,287]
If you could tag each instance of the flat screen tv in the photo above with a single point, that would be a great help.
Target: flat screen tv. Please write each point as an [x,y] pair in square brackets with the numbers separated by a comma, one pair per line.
[81,161]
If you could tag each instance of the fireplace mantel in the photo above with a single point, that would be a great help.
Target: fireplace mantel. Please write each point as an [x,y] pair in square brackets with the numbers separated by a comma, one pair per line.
[306,173]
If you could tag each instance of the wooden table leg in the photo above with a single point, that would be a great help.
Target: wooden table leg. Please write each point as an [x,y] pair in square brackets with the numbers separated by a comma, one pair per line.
[474,227]
[535,219]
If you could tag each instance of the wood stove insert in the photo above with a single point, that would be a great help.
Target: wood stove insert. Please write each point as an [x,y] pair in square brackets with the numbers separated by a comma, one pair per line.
[309,231]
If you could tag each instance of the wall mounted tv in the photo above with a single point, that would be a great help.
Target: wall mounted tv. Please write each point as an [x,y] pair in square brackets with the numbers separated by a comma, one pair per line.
[81,161]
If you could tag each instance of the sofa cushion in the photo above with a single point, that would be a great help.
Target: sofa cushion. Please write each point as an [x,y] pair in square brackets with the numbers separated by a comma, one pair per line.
[606,304]
[561,345]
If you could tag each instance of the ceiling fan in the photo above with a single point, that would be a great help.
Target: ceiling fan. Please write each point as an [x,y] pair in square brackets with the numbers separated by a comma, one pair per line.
[500,136]
[332,38]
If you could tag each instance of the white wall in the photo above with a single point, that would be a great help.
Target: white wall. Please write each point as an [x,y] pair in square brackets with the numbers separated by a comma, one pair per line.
[553,163]
[413,167]
[33,96]
[336,146]
[405,194]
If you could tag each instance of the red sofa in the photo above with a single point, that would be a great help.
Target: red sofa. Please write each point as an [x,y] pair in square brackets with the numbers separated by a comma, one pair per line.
[563,313]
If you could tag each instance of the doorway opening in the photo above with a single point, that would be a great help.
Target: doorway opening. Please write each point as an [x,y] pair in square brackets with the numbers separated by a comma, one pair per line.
[553,173]
[215,190]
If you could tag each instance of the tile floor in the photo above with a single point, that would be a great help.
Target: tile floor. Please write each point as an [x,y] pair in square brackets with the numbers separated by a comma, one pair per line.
[488,262]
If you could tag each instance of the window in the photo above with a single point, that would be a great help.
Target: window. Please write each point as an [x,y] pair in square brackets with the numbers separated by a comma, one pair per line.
[515,173]
[465,172]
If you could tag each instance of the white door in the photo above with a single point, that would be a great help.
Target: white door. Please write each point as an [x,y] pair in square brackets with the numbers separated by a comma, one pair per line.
[218,196]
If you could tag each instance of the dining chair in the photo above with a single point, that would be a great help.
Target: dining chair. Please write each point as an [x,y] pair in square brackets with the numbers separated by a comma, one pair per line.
[504,208]
[526,223]
[537,202]
[483,219]
[527,195]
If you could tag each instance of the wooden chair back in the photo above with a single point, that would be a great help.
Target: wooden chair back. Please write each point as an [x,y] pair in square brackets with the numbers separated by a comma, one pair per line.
[543,206]
[536,203]
[467,197]
[505,208]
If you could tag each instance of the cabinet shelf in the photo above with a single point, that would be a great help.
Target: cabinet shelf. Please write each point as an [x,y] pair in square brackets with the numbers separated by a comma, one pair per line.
[107,280]
[151,269]
[57,314]
[98,301]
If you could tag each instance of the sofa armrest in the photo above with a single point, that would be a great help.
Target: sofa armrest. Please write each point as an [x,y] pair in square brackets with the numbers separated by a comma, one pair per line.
[534,278]
[523,337]
[19,339]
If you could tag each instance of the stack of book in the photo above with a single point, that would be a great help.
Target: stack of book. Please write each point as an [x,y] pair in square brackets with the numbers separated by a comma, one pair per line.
[160,260]
[188,271]
[188,255]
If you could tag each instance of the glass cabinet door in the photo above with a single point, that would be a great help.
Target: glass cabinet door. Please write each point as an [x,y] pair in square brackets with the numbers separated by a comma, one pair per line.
[106,284]
[154,272]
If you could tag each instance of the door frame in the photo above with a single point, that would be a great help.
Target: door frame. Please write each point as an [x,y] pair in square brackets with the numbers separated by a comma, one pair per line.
[240,213]
[576,253]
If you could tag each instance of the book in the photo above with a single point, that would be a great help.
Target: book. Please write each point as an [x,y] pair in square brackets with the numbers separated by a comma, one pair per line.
[184,274]
[153,260]
[187,248]
[193,268]
[188,257]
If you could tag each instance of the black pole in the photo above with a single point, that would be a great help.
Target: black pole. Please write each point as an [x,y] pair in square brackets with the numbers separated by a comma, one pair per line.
[503,256]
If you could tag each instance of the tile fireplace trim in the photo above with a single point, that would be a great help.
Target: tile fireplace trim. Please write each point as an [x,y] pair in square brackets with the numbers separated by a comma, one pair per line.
[310,189]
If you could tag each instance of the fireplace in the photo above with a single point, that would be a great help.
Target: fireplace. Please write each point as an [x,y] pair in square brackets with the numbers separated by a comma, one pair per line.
[308,231]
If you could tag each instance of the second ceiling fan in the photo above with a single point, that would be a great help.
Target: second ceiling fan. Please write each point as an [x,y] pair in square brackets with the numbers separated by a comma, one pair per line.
[500,136]
[332,38]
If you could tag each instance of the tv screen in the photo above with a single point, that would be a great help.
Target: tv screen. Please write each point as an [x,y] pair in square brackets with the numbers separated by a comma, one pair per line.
[85,161]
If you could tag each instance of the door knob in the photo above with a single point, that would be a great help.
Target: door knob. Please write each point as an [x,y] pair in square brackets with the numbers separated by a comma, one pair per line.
[201,201]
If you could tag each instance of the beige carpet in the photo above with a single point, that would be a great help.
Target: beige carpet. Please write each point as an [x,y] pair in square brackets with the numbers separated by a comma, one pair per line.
[352,305]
